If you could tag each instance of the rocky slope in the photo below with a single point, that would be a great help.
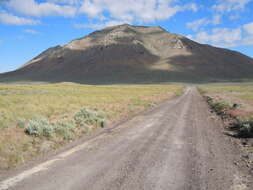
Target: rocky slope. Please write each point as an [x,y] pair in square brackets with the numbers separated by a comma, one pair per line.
[125,54]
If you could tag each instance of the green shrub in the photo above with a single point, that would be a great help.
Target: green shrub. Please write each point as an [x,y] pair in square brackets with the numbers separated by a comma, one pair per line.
[85,118]
[21,123]
[245,127]
[209,100]
[39,126]
[90,117]
[86,128]
[102,123]
[48,131]
[221,107]
[65,129]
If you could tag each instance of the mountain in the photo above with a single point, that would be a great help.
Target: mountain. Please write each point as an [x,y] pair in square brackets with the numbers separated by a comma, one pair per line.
[134,54]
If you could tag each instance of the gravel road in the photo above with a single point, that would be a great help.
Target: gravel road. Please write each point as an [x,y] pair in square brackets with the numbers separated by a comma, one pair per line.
[175,146]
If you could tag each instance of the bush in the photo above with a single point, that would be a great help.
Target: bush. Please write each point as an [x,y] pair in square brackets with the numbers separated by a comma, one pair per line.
[102,123]
[245,127]
[65,129]
[221,107]
[39,126]
[90,117]
[21,123]
[85,118]
[209,100]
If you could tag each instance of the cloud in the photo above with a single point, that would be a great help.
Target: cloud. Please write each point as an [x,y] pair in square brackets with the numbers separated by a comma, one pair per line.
[216,19]
[7,18]
[30,31]
[230,5]
[248,28]
[223,37]
[197,24]
[132,10]
[33,8]
[71,2]
[103,11]
[226,37]
[99,25]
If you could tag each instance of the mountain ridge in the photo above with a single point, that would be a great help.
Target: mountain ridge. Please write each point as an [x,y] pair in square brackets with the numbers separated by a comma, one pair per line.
[127,53]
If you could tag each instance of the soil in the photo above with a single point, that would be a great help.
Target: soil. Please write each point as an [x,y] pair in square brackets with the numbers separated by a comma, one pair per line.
[178,145]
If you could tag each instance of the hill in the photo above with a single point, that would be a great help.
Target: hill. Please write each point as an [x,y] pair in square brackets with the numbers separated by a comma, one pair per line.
[134,54]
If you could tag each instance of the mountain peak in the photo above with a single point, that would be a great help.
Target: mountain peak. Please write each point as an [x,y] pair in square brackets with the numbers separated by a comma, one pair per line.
[130,28]
[129,34]
[126,52]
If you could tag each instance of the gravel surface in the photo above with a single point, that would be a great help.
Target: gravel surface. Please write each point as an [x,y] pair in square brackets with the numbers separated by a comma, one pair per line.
[176,146]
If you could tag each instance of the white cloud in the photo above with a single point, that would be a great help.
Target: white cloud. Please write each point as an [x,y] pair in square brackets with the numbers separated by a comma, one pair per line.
[216,19]
[132,10]
[248,28]
[192,6]
[230,5]
[99,25]
[7,18]
[30,31]
[33,8]
[197,24]
[123,11]
[71,2]
[223,37]
[248,39]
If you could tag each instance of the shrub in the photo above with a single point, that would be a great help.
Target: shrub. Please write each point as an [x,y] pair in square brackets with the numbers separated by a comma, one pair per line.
[245,127]
[39,126]
[85,118]
[102,123]
[86,128]
[209,100]
[65,129]
[221,107]
[21,123]
[90,117]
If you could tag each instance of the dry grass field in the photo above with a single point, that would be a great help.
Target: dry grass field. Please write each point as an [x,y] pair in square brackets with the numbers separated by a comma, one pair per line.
[37,118]
[234,104]
[232,94]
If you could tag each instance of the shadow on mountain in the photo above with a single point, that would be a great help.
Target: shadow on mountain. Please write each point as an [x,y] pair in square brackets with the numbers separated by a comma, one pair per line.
[106,65]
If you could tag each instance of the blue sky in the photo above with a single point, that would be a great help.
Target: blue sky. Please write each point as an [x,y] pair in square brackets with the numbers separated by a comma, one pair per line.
[28,27]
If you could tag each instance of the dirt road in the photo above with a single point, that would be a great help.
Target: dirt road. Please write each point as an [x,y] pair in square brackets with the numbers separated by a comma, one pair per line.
[176,146]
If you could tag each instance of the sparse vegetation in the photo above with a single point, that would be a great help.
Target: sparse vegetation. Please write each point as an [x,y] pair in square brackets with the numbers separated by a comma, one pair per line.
[220,108]
[224,101]
[90,117]
[39,126]
[85,118]
[36,118]
[244,127]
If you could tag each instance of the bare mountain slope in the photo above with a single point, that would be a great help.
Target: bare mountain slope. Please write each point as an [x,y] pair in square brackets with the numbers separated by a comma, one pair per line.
[128,53]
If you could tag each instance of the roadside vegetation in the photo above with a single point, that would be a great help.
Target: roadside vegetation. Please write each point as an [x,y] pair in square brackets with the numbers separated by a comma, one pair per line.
[234,104]
[38,118]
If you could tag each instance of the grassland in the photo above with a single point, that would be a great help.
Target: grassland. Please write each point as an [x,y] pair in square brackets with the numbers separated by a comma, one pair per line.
[232,94]
[234,103]
[23,104]
[235,106]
